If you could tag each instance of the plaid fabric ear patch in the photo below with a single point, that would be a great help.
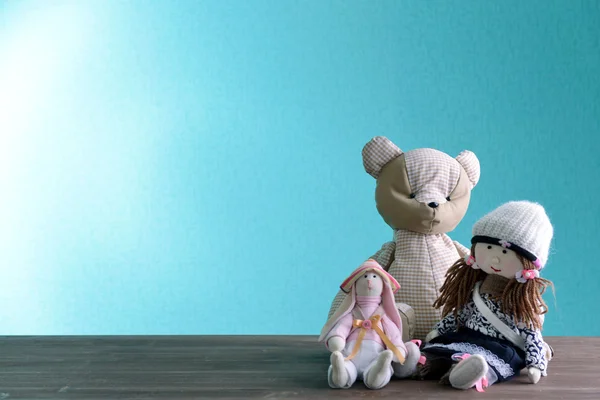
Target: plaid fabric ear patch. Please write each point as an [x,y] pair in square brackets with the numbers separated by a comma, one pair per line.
[470,163]
[377,153]
[432,174]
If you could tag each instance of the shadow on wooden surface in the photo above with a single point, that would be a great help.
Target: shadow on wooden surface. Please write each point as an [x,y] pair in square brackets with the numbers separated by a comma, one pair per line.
[243,367]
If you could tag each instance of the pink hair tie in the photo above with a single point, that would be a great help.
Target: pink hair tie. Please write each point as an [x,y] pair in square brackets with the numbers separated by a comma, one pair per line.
[470,261]
[527,275]
[537,263]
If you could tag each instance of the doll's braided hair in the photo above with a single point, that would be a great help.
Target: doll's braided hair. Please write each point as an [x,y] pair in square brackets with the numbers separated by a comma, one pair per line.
[521,300]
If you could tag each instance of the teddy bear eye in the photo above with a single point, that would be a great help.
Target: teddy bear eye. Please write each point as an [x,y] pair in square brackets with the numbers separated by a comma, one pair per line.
[504,251]
[412,195]
[448,198]
[489,247]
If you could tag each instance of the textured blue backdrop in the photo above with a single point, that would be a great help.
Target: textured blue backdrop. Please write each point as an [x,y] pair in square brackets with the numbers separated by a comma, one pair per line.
[194,167]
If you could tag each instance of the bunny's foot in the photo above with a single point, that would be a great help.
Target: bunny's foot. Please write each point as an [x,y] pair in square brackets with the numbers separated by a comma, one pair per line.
[380,372]
[338,375]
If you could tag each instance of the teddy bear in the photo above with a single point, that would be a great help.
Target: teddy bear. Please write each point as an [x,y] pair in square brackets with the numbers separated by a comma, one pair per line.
[422,194]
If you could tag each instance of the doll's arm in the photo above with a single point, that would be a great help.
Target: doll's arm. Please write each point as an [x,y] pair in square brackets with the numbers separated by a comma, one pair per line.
[536,360]
[385,255]
[336,338]
[450,323]
[445,325]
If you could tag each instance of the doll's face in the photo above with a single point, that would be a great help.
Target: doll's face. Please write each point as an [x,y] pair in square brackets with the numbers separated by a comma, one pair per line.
[369,284]
[494,259]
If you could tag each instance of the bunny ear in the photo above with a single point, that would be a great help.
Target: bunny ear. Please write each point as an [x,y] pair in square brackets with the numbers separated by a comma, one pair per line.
[342,310]
[389,306]
[377,153]
[470,163]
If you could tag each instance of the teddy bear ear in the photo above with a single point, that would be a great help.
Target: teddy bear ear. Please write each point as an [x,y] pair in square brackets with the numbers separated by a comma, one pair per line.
[377,153]
[470,163]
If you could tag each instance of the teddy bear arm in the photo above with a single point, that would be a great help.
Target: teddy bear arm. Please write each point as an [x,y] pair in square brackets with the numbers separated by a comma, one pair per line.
[385,255]
[462,250]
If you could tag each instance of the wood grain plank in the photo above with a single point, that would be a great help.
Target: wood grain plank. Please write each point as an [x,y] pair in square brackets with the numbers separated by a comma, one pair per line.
[242,367]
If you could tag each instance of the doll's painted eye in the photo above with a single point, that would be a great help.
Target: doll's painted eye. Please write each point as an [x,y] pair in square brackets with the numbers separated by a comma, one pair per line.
[366,276]
[412,195]
[374,276]
[489,247]
[448,198]
[504,251]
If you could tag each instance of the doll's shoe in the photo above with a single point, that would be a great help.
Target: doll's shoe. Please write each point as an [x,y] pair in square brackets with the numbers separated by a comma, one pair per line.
[339,375]
[469,372]
[380,373]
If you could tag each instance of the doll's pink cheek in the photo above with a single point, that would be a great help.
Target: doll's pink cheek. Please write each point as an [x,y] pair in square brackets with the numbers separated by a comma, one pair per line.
[514,265]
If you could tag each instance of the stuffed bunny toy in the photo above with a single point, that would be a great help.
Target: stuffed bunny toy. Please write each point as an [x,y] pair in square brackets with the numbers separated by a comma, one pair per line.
[492,303]
[364,335]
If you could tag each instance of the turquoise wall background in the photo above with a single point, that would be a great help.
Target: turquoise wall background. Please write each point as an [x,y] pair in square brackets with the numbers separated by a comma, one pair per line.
[194,167]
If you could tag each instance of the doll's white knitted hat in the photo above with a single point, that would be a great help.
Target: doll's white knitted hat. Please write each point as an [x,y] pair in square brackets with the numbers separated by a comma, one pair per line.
[521,226]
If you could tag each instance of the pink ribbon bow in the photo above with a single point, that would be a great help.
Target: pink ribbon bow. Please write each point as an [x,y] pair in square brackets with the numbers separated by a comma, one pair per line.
[470,261]
[527,275]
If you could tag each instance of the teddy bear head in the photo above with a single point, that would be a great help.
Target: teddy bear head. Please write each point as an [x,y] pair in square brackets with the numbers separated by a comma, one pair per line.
[422,190]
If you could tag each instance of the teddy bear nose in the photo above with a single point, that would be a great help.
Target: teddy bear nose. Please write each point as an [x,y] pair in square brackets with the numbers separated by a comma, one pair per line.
[433,204]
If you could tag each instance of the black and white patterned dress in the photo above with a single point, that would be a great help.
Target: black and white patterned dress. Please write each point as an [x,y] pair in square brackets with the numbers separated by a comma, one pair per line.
[478,336]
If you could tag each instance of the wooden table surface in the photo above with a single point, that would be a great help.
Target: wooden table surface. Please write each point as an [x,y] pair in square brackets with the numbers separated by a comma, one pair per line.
[243,367]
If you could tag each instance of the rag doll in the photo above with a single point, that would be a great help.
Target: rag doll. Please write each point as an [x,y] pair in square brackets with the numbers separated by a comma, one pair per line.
[492,302]
[364,335]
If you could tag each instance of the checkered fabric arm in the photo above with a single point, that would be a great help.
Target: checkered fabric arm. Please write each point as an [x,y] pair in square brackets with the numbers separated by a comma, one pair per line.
[384,255]
[462,250]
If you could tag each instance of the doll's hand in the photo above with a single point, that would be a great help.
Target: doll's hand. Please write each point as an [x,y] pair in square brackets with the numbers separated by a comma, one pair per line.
[533,374]
[336,343]
[548,351]
[431,335]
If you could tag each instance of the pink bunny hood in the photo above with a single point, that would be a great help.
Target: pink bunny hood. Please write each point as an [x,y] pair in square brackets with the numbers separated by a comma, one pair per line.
[390,286]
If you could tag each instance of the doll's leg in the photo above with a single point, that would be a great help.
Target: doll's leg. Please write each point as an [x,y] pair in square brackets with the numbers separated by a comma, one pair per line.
[491,377]
[469,372]
[380,371]
[435,367]
[341,373]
